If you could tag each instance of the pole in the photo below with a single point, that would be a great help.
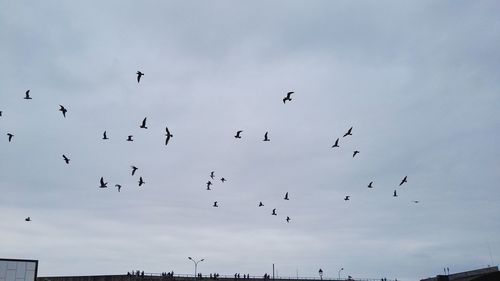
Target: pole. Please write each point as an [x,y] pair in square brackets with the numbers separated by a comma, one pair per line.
[273,270]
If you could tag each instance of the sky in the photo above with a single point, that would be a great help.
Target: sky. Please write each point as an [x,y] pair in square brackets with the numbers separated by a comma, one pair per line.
[417,80]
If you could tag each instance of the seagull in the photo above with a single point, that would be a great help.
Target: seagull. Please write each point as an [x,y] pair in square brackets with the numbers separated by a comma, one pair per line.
[274,212]
[66,159]
[349,132]
[395,194]
[119,187]
[336,143]
[139,75]
[103,184]
[286,196]
[134,168]
[370,185]
[129,138]
[27,219]
[403,181]
[215,204]
[287,98]
[347,198]
[287,219]
[141,181]
[143,125]
[415,201]
[209,183]
[27,97]
[10,136]
[355,152]
[260,204]
[168,135]
[222,179]
[63,110]
[238,135]
[212,174]
[265,137]
[104,136]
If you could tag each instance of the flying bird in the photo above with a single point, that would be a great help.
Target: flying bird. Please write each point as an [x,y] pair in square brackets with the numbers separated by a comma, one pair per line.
[118,186]
[395,194]
[355,152]
[287,219]
[103,184]
[287,98]
[143,125]
[223,180]
[129,138]
[139,75]
[27,219]
[415,201]
[215,204]
[104,136]
[274,212]
[265,137]
[141,181]
[336,144]
[63,110]
[212,175]
[349,132]
[370,185]
[66,159]
[209,183]
[238,136]
[260,204]
[347,198]
[10,136]
[134,168]
[27,97]
[403,181]
[286,196]
[168,135]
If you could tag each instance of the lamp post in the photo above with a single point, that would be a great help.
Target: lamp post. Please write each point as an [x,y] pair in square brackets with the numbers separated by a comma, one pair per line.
[340,271]
[195,265]
[320,274]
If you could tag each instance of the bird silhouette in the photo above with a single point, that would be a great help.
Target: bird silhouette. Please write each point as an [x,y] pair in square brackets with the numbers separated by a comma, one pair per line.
[141,181]
[287,98]
[134,168]
[349,132]
[370,185]
[27,219]
[260,204]
[129,138]
[215,204]
[10,136]
[403,181]
[66,159]
[223,180]
[139,75]
[209,183]
[415,201]
[238,136]
[287,219]
[286,196]
[143,125]
[355,152]
[336,144]
[104,136]
[274,212]
[63,110]
[212,175]
[395,194]
[347,198]
[103,184]
[265,137]
[27,96]
[168,135]
[118,187]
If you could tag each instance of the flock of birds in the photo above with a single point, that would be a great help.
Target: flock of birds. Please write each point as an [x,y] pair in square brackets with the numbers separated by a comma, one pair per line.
[168,136]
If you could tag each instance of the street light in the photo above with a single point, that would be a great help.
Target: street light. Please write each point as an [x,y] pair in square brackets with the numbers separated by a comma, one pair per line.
[195,265]
[320,274]
[340,271]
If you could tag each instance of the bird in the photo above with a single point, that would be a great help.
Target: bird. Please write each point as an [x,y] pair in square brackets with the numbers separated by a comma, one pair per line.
[212,175]
[265,137]
[168,135]
[129,138]
[415,201]
[27,97]
[118,186]
[349,133]
[63,110]
[238,136]
[286,196]
[347,198]
[139,75]
[27,219]
[143,125]
[370,185]
[287,219]
[274,212]
[355,152]
[141,181]
[261,204]
[209,183]
[103,184]
[104,136]
[215,204]
[287,98]
[403,181]
[395,194]
[66,159]
[10,136]
[336,144]
[134,168]
[223,179]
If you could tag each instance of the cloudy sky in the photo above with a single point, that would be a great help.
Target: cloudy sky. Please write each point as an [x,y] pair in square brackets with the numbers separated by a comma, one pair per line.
[417,80]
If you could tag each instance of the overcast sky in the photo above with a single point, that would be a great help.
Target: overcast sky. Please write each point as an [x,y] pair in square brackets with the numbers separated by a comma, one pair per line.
[417,80]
